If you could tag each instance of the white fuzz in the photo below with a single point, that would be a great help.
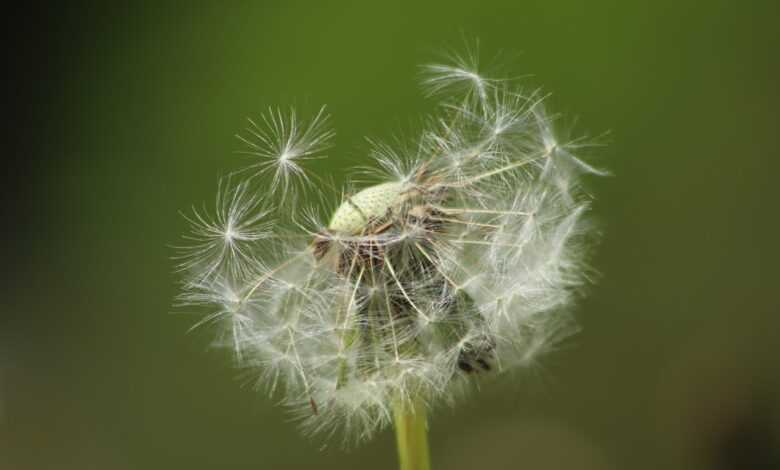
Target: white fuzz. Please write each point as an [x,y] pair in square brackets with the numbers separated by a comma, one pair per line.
[459,73]
[219,244]
[281,144]
[460,263]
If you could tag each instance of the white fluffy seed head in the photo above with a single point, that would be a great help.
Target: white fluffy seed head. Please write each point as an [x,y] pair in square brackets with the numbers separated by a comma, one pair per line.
[461,264]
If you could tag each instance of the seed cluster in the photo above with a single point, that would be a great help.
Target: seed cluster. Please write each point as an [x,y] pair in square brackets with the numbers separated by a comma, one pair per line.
[460,263]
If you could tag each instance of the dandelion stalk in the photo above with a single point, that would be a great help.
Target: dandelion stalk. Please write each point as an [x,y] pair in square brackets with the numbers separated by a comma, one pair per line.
[411,430]
[459,262]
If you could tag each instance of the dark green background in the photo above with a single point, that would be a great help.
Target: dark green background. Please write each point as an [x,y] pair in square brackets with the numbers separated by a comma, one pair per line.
[128,118]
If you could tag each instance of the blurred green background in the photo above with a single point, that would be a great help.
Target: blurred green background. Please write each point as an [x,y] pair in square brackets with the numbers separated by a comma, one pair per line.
[128,117]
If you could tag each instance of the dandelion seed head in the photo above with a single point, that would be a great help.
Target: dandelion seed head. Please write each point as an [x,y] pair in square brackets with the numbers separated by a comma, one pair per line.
[460,264]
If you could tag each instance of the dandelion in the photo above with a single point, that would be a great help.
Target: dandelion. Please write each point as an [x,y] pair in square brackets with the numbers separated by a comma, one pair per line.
[460,263]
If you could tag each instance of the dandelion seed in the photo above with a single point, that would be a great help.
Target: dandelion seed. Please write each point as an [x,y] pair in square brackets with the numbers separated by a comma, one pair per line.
[461,263]
[281,143]
[459,73]
[220,243]
[561,155]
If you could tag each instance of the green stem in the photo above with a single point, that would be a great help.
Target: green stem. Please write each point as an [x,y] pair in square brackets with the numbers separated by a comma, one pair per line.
[411,430]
